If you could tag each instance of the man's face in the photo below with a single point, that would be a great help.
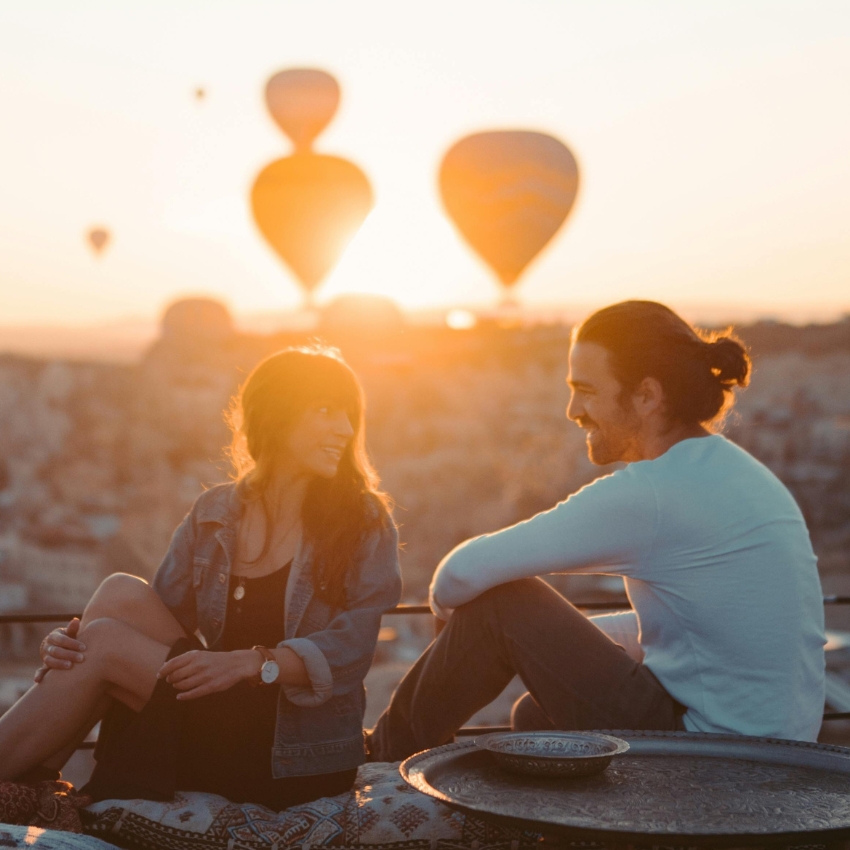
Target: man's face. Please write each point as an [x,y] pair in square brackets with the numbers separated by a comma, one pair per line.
[612,426]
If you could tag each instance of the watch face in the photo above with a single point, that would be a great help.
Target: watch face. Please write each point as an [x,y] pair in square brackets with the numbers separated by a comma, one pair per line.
[268,672]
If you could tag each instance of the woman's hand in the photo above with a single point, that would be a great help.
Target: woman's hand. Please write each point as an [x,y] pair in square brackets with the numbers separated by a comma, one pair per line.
[60,650]
[199,672]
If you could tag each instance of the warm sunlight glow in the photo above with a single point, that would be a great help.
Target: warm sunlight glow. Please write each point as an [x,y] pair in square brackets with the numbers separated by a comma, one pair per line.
[412,256]
[461,320]
[32,835]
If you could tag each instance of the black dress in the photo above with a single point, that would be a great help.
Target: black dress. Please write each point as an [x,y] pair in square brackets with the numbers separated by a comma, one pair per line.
[220,743]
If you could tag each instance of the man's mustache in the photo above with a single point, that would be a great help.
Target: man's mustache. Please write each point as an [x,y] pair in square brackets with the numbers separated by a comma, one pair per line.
[585,422]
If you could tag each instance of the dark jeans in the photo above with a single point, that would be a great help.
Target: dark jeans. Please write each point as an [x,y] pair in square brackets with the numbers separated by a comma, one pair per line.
[576,676]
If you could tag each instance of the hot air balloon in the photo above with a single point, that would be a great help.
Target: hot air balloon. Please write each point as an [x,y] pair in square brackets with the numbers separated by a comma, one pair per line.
[308,206]
[302,102]
[508,192]
[98,238]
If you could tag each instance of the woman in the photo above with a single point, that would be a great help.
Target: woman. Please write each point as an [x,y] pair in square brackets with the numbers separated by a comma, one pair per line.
[284,574]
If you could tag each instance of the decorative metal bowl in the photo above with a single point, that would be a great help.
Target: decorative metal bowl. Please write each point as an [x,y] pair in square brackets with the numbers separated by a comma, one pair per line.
[553,754]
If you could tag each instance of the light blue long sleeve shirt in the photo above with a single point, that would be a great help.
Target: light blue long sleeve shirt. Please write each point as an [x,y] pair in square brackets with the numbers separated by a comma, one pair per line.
[718,566]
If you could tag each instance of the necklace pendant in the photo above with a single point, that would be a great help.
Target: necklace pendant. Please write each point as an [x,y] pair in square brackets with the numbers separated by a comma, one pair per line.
[239,593]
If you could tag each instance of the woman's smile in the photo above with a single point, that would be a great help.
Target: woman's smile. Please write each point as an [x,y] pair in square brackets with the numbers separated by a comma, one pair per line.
[319,439]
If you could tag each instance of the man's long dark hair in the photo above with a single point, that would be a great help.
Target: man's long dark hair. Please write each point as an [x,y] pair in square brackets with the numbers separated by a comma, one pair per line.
[337,512]
[697,369]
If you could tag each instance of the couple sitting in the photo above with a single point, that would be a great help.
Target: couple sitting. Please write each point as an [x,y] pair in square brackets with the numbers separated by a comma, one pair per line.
[286,573]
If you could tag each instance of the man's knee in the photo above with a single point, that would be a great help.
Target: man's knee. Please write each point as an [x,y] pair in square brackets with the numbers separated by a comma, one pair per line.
[511,596]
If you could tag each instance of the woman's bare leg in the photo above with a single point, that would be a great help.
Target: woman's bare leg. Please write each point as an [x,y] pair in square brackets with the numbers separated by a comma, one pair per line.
[133,601]
[120,662]
[58,760]
[123,654]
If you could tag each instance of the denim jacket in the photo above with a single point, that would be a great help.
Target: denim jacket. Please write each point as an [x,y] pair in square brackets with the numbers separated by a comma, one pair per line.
[319,726]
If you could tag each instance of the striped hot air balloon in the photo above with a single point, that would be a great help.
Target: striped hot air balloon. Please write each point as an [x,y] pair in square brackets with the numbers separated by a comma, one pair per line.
[508,192]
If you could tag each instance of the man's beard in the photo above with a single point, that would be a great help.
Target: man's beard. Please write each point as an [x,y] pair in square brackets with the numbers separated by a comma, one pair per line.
[610,443]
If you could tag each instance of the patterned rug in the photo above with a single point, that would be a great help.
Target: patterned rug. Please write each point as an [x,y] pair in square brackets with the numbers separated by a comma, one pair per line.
[381,811]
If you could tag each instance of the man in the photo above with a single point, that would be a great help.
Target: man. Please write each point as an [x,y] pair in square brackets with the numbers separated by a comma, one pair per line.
[727,632]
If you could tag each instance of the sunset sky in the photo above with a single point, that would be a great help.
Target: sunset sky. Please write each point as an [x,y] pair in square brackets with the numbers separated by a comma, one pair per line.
[713,140]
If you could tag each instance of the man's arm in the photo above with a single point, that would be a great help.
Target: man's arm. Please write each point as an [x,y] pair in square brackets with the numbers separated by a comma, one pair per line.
[606,527]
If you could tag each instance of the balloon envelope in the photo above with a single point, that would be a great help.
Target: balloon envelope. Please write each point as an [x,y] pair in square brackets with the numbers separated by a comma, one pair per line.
[508,192]
[302,101]
[98,237]
[308,207]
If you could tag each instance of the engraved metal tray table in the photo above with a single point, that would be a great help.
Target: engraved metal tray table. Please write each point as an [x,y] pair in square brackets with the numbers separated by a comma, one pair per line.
[671,787]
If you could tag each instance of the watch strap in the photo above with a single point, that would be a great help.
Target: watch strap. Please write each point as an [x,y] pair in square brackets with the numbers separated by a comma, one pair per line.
[267,656]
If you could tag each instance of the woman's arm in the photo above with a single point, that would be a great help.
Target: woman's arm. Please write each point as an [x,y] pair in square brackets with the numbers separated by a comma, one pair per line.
[198,672]
[173,579]
[336,659]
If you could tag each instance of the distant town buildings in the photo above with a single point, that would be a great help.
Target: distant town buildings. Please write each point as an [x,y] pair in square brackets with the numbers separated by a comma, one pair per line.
[99,462]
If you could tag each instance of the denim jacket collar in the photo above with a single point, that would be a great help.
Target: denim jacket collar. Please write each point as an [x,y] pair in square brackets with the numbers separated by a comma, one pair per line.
[226,511]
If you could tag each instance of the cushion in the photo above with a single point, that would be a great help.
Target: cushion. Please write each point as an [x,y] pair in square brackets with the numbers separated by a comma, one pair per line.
[381,810]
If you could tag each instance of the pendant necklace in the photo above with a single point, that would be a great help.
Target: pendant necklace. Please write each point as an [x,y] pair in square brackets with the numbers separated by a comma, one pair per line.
[239,590]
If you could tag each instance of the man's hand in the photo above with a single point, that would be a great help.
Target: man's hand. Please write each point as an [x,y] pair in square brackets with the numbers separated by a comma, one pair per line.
[442,614]
[60,650]
[199,672]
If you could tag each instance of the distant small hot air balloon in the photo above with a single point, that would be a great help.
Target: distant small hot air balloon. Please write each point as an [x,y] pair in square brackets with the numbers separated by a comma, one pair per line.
[308,206]
[200,94]
[508,192]
[302,101]
[98,238]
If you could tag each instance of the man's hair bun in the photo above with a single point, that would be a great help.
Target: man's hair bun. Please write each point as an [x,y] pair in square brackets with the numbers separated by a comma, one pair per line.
[729,361]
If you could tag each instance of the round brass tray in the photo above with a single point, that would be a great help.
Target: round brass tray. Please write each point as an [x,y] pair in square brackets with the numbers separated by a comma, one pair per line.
[700,789]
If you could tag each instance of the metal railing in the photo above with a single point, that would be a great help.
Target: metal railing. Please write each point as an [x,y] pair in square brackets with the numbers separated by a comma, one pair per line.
[597,605]
[613,605]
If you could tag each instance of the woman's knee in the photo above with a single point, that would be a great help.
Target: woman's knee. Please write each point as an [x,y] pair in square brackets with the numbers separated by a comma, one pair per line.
[103,638]
[117,593]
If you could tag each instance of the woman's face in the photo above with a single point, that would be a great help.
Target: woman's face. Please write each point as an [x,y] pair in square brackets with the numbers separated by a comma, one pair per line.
[318,439]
